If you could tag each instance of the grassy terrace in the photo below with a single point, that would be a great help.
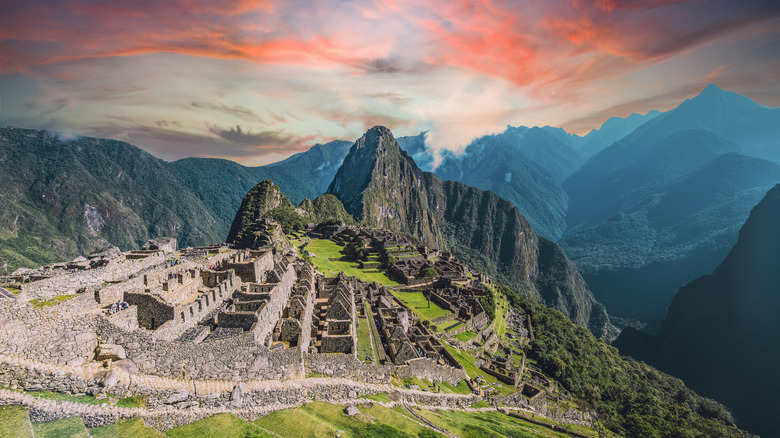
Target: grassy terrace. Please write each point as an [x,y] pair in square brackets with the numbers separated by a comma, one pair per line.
[133,427]
[486,424]
[37,303]
[325,250]
[502,307]
[321,419]
[473,371]
[419,304]
[466,336]
[15,423]
[365,352]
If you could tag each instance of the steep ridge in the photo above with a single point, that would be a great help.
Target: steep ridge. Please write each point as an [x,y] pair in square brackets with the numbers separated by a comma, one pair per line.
[262,198]
[266,199]
[381,186]
[720,334]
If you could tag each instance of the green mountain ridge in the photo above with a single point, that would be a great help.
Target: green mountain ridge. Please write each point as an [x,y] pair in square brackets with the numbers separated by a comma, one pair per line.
[69,197]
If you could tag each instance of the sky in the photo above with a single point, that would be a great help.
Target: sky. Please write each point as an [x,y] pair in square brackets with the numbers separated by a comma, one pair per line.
[255,81]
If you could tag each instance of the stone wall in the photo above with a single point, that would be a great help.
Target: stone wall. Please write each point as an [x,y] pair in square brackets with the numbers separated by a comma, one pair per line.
[46,334]
[90,279]
[236,357]
[345,365]
[270,314]
[126,319]
[434,399]
[425,368]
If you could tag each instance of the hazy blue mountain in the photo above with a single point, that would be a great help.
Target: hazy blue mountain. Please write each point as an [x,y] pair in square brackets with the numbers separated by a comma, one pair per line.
[721,333]
[527,165]
[663,205]
[494,163]
[612,130]
[415,146]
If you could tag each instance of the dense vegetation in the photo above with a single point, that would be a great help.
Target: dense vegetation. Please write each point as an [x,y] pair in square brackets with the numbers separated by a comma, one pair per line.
[631,398]
[721,331]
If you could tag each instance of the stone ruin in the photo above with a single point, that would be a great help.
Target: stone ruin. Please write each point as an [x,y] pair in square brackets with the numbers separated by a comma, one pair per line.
[218,313]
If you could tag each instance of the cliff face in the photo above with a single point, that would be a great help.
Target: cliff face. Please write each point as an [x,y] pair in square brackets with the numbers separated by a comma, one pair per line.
[720,333]
[382,187]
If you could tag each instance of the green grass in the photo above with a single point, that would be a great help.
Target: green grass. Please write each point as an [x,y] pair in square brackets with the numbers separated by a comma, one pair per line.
[132,428]
[467,361]
[326,249]
[381,397]
[66,428]
[481,404]
[219,426]
[466,336]
[487,424]
[15,422]
[499,323]
[14,290]
[419,304]
[452,327]
[379,349]
[364,340]
[461,388]
[424,384]
[131,402]
[320,420]
[38,303]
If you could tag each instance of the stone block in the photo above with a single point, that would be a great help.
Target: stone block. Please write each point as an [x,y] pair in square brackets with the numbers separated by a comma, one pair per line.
[177,397]
[111,351]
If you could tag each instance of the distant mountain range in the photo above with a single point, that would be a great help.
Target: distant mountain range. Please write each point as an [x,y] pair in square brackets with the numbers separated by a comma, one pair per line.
[663,205]
[721,332]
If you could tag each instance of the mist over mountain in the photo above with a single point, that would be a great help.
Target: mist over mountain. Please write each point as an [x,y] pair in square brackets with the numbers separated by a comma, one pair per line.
[527,166]
[720,334]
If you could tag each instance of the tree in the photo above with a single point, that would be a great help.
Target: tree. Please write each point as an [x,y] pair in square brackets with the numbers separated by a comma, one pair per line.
[428,271]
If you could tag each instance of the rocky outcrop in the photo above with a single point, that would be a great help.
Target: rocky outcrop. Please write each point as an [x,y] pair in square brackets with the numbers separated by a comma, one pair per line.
[262,198]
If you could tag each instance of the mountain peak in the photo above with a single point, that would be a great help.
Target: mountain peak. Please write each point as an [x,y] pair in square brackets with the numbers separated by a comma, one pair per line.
[712,88]
[379,184]
[713,97]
